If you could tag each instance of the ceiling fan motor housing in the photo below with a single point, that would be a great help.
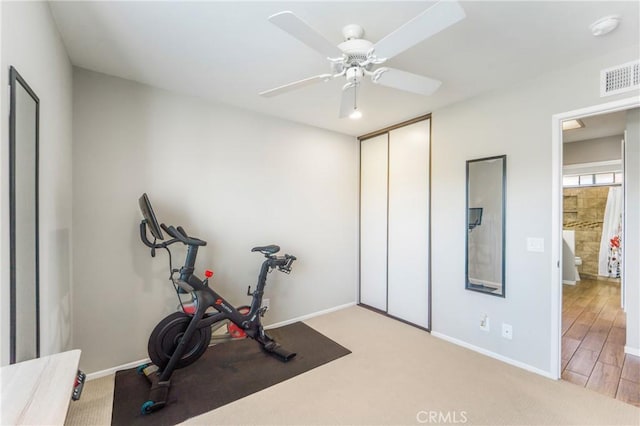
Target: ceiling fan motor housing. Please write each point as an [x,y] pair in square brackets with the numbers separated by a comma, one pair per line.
[355,50]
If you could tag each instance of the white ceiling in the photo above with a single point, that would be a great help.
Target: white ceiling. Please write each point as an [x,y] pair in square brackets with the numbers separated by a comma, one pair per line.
[228,52]
[598,126]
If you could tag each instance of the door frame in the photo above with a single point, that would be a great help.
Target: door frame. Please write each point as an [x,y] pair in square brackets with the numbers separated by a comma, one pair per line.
[556,215]
[358,290]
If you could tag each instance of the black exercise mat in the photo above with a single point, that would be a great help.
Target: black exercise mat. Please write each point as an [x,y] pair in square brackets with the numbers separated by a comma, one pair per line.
[225,373]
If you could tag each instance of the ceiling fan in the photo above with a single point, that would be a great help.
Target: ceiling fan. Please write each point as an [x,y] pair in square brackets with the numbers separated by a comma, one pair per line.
[357,58]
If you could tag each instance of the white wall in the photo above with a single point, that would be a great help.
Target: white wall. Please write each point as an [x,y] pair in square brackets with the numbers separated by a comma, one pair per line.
[632,233]
[233,178]
[592,150]
[31,43]
[515,122]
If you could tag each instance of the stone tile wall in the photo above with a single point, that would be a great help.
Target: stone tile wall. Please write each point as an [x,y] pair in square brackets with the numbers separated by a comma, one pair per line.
[583,211]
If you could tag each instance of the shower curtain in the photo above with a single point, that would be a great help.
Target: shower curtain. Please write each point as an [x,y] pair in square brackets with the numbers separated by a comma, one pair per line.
[610,256]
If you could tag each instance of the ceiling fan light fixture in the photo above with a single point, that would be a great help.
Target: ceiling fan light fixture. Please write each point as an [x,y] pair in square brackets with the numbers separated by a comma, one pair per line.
[354,74]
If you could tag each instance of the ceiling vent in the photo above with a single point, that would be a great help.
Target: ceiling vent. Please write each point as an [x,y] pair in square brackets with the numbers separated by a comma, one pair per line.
[620,79]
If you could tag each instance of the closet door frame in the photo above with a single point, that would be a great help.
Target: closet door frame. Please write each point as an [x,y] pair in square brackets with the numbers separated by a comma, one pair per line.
[369,136]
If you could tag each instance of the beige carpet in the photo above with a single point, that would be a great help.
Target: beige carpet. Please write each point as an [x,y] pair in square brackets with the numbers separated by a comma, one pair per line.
[397,374]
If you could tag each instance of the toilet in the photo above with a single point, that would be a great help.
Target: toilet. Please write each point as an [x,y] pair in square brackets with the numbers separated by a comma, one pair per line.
[570,261]
[578,262]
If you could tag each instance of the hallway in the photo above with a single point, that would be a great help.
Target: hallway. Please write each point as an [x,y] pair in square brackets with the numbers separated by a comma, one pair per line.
[593,339]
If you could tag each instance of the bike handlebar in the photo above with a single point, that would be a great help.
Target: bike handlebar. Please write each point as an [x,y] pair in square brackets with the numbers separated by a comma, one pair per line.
[143,236]
[170,230]
[283,263]
[178,235]
[181,235]
[181,230]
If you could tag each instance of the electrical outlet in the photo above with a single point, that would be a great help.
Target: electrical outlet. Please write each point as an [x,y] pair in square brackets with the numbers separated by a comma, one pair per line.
[484,322]
[507,331]
[265,303]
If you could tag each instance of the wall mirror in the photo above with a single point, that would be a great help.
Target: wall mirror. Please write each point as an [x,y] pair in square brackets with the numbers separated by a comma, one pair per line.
[23,216]
[486,184]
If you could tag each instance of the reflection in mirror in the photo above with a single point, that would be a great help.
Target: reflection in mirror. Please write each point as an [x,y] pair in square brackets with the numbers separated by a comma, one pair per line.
[23,194]
[486,180]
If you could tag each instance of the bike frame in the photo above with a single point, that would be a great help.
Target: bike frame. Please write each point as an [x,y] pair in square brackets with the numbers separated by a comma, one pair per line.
[207,297]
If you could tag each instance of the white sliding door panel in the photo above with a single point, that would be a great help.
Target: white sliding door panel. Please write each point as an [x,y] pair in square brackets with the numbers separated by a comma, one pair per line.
[408,215]
[373,222]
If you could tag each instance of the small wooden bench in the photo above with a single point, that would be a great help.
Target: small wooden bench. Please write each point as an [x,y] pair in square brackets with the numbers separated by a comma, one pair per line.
[38,391]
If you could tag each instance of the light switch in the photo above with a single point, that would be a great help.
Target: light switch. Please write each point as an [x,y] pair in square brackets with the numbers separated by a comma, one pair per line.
[535,244]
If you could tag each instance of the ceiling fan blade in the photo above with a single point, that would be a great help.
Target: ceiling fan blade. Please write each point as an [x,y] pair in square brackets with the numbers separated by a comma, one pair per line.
[295,85]
[348,101]
[433,20]
[289,22]
[406,81]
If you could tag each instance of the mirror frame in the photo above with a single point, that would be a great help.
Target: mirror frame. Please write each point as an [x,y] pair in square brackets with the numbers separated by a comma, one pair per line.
[503,227]
[14,79]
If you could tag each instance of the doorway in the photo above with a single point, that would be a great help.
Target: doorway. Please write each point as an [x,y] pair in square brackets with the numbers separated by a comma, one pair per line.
[589,284]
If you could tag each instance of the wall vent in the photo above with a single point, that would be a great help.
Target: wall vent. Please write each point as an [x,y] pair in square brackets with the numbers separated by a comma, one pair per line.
[620,79]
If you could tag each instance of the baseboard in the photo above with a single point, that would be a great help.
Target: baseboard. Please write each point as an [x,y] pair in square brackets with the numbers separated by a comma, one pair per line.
[311,315]
[112,370]
[568,282]
[494,355]
[632,351]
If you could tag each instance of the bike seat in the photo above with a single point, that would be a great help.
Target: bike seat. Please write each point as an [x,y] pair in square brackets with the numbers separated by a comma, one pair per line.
[272,249]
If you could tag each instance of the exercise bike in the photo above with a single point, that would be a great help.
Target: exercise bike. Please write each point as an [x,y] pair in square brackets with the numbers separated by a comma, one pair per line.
[181,338]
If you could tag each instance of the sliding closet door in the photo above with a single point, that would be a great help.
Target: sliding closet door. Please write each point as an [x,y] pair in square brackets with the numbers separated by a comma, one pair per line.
[373,222]
[408,218]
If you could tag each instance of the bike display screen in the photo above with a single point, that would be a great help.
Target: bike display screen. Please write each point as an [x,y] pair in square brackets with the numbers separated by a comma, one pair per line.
[150,217]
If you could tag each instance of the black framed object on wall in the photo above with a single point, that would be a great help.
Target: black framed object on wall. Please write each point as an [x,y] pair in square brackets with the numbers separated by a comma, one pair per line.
[24,134]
